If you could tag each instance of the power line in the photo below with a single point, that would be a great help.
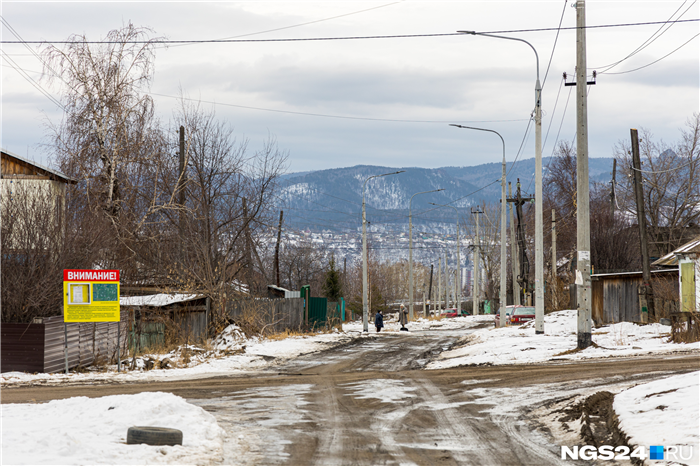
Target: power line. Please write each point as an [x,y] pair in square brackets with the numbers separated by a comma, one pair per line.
[555,44]
[649,40]
[316,39]
[655,61]
[324,115]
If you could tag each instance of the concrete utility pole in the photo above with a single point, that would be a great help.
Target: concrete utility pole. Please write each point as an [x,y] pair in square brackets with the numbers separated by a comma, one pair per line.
[477,259]
[515,263]
[430,288]
[447,283]
[555,302]
[583,222]
[411,301]
[365,304]
[458,296]
[539,236]
[645,293]
[439,293]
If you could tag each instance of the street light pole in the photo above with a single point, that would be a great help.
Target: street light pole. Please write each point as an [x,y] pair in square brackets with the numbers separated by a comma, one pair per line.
[539,234]
[365,326]
[504,260]
[410,252]
[458,287]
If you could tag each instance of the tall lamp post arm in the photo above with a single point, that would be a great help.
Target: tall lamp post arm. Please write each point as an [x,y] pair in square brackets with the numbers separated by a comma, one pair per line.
[538,88]
[502,295]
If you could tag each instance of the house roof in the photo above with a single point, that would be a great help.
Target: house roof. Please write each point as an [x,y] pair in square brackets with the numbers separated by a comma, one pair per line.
[158,300]
[630,274]
[34,167]
[671,259]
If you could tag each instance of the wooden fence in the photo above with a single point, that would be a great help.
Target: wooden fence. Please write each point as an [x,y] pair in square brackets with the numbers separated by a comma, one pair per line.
[39,347]
[275,315]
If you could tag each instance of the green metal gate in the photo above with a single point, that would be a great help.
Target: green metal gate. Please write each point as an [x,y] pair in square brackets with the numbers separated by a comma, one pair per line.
[317,312]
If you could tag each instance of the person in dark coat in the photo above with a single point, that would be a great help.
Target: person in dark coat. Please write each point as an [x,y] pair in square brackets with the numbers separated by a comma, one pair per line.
[379,321]
[403,318]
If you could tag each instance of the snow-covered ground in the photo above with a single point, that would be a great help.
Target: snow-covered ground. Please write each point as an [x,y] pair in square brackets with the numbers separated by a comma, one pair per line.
[93,431]
[664,413]
[232,352]
[520,345]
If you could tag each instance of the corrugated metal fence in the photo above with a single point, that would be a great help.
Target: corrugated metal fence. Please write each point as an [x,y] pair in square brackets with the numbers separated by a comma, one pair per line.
[39,347]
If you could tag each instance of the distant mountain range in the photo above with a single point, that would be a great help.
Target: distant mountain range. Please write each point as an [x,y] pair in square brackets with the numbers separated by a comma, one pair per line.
[332,199]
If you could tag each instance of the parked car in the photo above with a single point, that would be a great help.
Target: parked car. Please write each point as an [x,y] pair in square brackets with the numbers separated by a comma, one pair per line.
[516,315]
[453,313]
[522,314]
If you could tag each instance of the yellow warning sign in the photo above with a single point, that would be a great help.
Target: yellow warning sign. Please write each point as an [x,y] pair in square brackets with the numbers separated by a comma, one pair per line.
[91,295]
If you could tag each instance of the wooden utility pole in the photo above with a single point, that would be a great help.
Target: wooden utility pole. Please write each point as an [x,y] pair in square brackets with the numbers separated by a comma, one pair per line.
[515,263]
[248,249]
[523,274]
[583,222]
[277,249]
[645,292]
[181,191]
[612,188]
[555,303]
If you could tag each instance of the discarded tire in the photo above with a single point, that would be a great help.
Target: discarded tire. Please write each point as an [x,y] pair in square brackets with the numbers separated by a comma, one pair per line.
[153,436]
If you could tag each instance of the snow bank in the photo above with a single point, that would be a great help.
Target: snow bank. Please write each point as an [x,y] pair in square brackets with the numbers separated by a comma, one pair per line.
[93,431]
[664,412]
[232,353]
[520,345]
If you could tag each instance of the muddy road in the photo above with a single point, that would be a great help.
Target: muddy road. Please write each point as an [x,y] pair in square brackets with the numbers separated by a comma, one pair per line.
[370,402]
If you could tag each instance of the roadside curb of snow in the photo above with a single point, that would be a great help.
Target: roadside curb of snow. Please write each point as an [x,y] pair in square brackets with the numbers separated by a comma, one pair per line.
[600,425]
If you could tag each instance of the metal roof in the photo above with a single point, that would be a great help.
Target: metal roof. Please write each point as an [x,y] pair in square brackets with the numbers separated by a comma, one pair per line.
[629,274]
[670,259]
[158,300]
[39,166]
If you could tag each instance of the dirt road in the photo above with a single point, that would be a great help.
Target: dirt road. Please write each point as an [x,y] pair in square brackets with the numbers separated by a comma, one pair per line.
[369,402]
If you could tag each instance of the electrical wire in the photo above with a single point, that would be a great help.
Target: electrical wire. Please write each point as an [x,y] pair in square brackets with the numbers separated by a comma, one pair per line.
[555,44]
[655,61]
[306,23]
[317,39]
[343,117]
[649,40]
[31,81]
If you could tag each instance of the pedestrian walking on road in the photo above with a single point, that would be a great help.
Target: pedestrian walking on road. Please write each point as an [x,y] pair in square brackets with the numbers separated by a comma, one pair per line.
[379,321]
[403,318]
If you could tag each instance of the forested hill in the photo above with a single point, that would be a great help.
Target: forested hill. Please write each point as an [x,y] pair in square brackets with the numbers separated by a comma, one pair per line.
[332,199]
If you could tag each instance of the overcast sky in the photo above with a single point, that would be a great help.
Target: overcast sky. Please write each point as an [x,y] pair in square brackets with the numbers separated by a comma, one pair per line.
[432,81]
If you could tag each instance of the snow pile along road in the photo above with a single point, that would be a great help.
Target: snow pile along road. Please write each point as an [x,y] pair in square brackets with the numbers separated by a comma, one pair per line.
[232,353]
[520,345]
[664,413]
[93,431]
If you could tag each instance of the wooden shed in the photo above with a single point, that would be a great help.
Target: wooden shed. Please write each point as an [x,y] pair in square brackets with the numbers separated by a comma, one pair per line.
[686,259]
[616,295]
[186,315]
